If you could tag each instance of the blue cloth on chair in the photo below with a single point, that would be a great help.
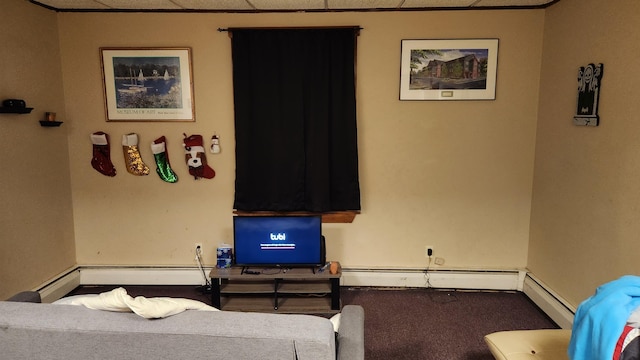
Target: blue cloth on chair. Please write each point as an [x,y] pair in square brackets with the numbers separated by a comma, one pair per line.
[600,319]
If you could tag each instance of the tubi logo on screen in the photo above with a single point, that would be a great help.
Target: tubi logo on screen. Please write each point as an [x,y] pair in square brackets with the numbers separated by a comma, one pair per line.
[277,242]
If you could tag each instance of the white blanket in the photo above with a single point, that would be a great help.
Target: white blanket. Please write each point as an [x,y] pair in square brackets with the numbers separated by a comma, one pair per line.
[150,308]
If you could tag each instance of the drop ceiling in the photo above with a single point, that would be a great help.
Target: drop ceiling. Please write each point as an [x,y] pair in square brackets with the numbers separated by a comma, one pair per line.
[284,5]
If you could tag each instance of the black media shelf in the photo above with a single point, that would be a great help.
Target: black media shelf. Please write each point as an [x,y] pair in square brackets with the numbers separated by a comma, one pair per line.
[276,290]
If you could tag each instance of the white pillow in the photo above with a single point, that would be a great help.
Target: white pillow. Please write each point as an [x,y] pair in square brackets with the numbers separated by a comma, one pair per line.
[159,307]
[114,300]
[150,308]
[73,300]
[335,321]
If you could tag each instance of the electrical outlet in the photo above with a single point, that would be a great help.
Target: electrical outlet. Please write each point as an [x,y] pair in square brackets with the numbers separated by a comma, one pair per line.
[428,251]
[197,248]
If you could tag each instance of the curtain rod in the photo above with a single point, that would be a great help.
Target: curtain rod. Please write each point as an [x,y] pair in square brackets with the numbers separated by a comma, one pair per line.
[292,28]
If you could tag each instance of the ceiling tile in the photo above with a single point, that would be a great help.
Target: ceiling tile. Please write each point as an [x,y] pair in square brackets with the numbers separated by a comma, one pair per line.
[141,4]
[288,4]
[482,3]
[214,4]
[436,3]
[363,4]
[73,4]
[285,5]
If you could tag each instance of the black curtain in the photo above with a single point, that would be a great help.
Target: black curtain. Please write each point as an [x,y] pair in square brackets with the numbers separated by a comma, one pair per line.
[295,119]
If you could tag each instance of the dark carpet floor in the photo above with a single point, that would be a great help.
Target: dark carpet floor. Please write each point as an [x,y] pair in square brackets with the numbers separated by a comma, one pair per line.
[412,323]
[436,325]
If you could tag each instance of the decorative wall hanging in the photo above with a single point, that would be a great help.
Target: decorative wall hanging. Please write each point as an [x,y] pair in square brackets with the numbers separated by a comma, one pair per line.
[148,84]
[161,156]
[132,159]
[101,160]
[589,79]
[196,157]
[215,144]
[463,69]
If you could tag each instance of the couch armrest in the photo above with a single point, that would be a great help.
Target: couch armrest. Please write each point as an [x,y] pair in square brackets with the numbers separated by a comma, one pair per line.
[351,333]
[26,296]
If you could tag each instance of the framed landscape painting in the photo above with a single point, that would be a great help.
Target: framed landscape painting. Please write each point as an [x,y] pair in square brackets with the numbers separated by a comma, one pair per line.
[147,84]
[461,69]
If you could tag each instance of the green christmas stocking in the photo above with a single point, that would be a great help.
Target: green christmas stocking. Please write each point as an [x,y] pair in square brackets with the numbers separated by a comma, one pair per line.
[159,149]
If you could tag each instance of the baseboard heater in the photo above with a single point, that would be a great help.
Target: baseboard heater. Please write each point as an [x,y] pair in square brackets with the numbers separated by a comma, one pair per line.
[154,275]
[496,280]
[445,279]
[548,301]
[59,285]
[458,279]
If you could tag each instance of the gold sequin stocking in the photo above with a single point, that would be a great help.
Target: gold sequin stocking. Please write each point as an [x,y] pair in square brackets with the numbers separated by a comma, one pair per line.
[132,158]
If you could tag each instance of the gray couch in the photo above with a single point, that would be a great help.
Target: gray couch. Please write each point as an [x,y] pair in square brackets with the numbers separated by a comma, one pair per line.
[31,330]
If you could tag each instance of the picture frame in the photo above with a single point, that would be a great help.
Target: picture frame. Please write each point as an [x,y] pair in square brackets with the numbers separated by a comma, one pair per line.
[456,69]
[147,84]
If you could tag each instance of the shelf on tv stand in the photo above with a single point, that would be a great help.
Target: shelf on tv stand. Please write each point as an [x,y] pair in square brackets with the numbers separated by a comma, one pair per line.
[295,290]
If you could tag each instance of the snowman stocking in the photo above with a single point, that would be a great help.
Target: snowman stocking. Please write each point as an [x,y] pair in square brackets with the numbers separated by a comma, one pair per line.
[158,147]
[135,165]
[196,159]
[101,160]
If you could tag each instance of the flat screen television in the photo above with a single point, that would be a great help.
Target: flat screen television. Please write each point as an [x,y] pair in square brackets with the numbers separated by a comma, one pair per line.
[285,241]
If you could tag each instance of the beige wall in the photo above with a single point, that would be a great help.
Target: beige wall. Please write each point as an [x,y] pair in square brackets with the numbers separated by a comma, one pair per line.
[36,220]
[454,175]
[584,227]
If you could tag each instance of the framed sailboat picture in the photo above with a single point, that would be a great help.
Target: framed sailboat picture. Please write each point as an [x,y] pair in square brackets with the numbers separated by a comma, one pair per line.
[148,84]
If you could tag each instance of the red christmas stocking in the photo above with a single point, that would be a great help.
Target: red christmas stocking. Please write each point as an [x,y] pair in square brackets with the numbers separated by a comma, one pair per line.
[101,160]
[195,157]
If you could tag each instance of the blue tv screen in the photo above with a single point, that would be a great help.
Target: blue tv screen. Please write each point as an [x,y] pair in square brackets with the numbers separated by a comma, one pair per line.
[278,240]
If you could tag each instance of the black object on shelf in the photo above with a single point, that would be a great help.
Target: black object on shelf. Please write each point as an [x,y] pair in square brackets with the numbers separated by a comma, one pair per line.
[15,110]
[46,123]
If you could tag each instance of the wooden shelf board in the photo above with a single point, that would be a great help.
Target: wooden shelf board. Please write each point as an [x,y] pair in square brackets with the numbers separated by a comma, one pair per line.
[285,288]
[345,217]
[303,273]
[305,288]
[25,110]
[288,305]
[248,287]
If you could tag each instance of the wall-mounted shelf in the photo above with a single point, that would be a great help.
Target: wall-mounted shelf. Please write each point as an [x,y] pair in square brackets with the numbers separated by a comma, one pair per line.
[46,123]
[5,110]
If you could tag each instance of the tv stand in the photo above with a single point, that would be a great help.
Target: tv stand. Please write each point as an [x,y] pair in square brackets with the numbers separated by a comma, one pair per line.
[281,290]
